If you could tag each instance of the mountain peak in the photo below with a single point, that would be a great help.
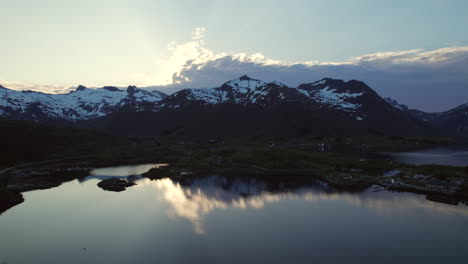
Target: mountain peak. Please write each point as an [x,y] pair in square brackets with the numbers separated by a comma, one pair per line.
[131,89]
[80,88]
[249,83]
[245,78]
[327,81]
[244,82]
[111,88]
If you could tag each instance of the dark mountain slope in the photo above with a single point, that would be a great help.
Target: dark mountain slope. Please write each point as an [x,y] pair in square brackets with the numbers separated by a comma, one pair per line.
[453,122]
[26,141]
[286,121]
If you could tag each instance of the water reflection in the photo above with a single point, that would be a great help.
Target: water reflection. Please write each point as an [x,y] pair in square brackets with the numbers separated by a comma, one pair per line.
[101,178]
[132,172]
[453,156]
[195,198]
[242,221]
[123,171]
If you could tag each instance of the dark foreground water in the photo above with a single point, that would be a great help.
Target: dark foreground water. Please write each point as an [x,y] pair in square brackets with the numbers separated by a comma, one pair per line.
[229,220]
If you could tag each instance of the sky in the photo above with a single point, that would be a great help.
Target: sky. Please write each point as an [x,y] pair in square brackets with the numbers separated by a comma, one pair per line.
[414,51]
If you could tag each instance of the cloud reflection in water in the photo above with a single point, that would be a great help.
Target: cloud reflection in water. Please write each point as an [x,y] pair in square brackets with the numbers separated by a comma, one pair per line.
[193,199]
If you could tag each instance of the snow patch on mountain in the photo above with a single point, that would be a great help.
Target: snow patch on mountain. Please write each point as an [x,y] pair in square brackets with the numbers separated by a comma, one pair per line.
[245,85]
[396,104]
[209,96]
[321,82]
[331,96]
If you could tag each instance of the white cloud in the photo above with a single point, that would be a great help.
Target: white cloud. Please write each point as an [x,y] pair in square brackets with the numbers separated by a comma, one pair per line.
[432,80]
[53,89]
[191,52]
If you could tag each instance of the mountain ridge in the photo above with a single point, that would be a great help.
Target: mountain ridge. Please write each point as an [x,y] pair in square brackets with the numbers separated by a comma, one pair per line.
[350,97]
[81,104]
[453,122]
[352,102]
[255,108]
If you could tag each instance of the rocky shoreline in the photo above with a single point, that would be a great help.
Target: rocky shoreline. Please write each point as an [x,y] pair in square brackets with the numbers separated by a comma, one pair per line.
[38,179]
[9,199]
[23,180]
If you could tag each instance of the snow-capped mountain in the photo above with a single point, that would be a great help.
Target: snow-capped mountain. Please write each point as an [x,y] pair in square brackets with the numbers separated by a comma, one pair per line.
[81,104]
[244,90]
[334,94]
[353,98]
[243,105]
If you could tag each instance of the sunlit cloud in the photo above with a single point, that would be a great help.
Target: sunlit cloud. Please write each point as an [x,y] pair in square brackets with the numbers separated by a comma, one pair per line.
[452,43]
[404,75]
[53,89]
[181,55]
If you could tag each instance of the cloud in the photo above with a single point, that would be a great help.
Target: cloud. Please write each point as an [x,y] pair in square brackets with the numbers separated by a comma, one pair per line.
[53,89]
[181,55]
[431,80]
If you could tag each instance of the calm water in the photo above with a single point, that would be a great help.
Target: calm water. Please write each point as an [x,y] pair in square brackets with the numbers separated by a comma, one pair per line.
[120,171]
[229,220]
[453,156]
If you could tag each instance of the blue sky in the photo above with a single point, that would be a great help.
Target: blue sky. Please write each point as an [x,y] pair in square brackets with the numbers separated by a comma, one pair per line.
[50,45]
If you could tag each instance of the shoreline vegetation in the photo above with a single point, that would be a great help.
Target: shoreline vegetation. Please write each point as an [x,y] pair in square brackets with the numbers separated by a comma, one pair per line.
[351,169]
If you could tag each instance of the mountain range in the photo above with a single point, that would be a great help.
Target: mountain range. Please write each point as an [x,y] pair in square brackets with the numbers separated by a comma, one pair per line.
[81,104]
[244,106]
[453,122]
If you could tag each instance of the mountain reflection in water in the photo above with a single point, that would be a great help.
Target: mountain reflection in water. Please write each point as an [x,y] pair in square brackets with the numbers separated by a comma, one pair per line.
[123,171]
[195,198]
